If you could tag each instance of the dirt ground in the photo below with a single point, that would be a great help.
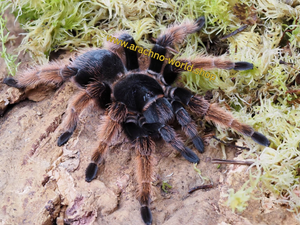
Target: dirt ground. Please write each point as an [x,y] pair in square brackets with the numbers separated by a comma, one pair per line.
[41,183]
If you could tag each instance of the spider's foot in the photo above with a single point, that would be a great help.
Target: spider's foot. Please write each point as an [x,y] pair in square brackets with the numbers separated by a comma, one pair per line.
[260,139]
[146,215]
[64,137]
[243,66]
[200,22]
[9,81]
[189,155]
[198,144]
[91,172]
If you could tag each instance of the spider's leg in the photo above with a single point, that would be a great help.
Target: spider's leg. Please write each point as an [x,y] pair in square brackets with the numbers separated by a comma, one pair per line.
[172,36]
[214,113]
[53,73]
[169,136]
[157,115]
[225,119]
[177,33]
[198,64]
[208,63]
[188,125]
[97,65]
[144,146]
[108,130]
[124,44]
[75,107]
[96,92]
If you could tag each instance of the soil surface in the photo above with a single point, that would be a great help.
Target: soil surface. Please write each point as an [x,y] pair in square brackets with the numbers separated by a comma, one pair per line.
[41,183]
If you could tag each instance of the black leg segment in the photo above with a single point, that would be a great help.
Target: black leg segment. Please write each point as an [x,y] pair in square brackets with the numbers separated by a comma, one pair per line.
[131,55]
[157,55]
[169,74]
[91,172]
[260,139]
[243,66]
[169,136]
[146,215]
[188,125]
[64,137]
[9,81]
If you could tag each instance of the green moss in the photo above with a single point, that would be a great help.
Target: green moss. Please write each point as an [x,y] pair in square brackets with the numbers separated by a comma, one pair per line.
[165,186]
[199,173]
[216,12]
[238,200]
[9,59]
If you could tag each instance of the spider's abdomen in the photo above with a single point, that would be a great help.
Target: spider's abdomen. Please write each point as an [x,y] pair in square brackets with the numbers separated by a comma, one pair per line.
[102,65]
[137,91]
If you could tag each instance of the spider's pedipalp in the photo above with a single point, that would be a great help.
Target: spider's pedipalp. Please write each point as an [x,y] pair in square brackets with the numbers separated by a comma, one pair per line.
[80,102]
[169,135]
[96,159]
[188,125]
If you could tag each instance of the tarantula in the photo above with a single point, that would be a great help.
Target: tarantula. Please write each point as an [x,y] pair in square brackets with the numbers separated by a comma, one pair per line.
[140,103]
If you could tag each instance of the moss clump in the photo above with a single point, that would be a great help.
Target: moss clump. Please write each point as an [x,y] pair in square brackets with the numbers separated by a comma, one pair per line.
[9,59]
[238,200]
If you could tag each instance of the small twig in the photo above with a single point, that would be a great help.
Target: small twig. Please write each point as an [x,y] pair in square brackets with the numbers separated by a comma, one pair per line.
[224,161]
[231,145]
[201,187]
[288,30]
[297,92]
[234,32]
[285,63]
